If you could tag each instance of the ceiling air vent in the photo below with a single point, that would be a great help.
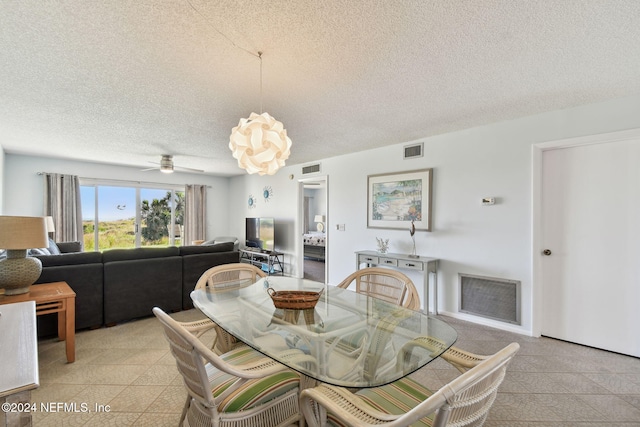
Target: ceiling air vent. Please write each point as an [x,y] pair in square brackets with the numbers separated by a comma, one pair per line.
[412,151]
[311,169]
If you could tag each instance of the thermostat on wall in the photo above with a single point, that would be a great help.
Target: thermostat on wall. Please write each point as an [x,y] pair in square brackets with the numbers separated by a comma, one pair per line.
[489,201]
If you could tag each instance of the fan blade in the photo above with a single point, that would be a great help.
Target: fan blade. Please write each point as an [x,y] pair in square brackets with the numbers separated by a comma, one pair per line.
[188,169]
[149,169]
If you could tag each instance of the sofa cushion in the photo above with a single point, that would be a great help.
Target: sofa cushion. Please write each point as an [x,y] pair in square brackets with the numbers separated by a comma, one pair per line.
[68,247]
[206,249]
[133,287]
[223,239]
[138,253]
[71,259]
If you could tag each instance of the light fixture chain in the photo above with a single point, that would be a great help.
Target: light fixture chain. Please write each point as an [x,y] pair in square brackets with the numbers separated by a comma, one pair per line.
[260,56]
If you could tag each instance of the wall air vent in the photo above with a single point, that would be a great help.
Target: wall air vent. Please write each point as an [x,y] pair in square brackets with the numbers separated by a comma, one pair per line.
[311,169]
[497,299]
[412,151]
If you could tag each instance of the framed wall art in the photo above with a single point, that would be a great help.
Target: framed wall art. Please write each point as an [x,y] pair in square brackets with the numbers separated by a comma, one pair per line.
[396,199]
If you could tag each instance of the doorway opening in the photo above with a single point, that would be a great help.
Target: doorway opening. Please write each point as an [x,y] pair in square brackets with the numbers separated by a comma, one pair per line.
[313,223]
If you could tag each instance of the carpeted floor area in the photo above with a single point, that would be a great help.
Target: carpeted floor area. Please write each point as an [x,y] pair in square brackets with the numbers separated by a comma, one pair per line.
[314,270]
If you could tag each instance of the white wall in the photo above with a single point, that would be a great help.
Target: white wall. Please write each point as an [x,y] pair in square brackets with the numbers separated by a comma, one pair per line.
[24,190]
[493,160]
[283,206]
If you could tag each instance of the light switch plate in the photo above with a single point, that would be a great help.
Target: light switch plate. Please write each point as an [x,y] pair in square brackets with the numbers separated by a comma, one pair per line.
[488,201]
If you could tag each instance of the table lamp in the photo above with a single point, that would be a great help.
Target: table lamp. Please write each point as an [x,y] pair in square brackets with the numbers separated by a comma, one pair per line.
[17,234]
[51,227]
[320,220]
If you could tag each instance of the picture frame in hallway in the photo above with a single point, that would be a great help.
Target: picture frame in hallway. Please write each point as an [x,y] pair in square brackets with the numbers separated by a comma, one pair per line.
[396,199]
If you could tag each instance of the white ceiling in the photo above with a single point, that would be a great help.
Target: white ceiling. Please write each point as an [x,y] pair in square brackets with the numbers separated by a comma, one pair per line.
[123,82]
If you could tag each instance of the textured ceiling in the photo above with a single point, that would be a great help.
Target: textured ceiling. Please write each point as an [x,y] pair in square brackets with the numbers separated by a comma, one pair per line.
[123,82]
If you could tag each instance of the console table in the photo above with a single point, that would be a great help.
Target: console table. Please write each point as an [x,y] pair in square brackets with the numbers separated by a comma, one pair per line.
[402,261]
[271,260]
[56,297]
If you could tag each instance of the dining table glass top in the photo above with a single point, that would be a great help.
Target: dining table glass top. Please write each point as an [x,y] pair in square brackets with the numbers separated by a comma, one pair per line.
[348,339]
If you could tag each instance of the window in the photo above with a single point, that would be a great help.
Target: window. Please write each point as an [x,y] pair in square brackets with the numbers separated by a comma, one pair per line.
[128,216]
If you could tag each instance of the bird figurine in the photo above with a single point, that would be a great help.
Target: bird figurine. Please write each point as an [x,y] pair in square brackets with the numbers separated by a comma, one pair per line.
[412,232]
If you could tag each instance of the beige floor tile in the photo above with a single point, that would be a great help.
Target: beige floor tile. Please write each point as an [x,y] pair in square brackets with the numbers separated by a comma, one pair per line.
[157,420]
[157,375]
[57,392]
[135,398]
[171,400]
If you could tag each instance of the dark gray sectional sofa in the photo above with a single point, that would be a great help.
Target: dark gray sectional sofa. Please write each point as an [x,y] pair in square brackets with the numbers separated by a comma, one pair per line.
[123,284]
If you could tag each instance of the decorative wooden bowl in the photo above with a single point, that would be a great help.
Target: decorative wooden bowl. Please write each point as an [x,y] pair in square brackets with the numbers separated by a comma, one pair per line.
[295,300]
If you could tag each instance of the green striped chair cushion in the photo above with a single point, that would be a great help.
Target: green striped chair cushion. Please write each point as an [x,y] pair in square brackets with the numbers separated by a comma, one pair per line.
[396,398]
[252,393]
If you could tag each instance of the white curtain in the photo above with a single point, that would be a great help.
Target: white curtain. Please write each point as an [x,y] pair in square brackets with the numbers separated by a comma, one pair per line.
[62,202]
[195,213]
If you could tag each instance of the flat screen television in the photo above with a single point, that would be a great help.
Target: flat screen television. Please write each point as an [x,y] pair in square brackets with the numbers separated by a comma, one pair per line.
[260,233]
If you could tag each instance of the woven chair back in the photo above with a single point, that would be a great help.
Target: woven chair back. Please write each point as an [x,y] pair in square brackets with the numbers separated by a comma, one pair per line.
[229,276]
[385,284]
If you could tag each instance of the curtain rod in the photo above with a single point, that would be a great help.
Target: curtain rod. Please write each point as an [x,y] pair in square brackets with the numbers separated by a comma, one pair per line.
[130,181]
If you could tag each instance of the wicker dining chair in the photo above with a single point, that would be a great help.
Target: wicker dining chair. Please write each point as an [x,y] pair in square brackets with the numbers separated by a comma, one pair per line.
[221,278]
[239,388]
[460,359]
[396,287]
[361,351]
[465,401]
[386,284]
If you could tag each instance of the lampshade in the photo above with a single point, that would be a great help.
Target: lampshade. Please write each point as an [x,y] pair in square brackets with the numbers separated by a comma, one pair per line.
[320,220]
[260,144]
[17,234]
[51,228]
[23,232]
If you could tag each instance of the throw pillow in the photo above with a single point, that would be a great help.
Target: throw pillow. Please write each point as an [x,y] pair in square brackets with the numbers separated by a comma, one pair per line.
[53,248]
[39,251]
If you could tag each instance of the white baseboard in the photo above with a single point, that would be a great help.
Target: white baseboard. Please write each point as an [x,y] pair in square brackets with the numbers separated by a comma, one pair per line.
[487,322]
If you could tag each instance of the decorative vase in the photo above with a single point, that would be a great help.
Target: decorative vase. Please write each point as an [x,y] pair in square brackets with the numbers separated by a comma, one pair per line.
[412,232]
[383,245]
[18,272]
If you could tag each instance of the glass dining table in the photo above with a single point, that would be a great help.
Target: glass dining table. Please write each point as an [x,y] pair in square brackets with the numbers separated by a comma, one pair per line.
[348,339]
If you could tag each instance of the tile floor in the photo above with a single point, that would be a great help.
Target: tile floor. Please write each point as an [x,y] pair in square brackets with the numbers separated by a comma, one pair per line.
[127,371]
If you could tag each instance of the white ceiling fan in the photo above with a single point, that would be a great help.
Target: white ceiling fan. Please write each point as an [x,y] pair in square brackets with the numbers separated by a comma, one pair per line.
[166,165]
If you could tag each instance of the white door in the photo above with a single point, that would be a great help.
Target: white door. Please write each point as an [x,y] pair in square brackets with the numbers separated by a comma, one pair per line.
[591,226]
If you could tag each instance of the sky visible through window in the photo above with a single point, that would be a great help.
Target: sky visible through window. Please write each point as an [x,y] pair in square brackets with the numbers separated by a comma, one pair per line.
[114,203]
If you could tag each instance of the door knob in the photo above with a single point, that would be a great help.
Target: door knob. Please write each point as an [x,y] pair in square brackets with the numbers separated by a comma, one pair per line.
[546,252]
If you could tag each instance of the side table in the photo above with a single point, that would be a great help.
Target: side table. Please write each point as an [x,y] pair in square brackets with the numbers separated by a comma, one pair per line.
[56,297]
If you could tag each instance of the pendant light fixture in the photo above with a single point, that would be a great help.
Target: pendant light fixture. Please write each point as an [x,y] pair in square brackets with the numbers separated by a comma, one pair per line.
[260,143]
